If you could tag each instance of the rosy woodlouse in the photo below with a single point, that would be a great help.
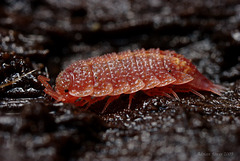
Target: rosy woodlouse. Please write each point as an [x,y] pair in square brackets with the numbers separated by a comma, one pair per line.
[154,71]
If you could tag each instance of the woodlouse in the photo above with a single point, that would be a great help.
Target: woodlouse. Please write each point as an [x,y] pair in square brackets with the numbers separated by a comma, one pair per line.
[154,71]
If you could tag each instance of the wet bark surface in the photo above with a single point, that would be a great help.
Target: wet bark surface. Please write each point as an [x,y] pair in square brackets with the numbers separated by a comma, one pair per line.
[43,37]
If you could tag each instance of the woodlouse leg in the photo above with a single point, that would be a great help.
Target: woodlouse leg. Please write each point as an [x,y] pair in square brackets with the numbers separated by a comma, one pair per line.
[189,89]
[110,100]
[149,93]
[94,100]
[157,93]
[167,95]
[174,94]
[197,93]
[83,101]
[165,91]
[130,100]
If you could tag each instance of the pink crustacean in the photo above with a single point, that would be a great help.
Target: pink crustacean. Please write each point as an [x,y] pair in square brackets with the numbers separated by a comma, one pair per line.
[154,71]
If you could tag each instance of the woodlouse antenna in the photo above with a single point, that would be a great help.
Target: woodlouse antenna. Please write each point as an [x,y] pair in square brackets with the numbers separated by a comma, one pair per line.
[44,81]
[17,79]
[49,90]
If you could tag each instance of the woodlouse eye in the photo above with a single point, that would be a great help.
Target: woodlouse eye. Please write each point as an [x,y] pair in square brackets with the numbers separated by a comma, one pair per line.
[66,90]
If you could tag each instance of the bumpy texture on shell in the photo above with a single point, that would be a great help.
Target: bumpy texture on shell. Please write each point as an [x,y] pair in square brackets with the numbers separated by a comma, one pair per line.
[128,72]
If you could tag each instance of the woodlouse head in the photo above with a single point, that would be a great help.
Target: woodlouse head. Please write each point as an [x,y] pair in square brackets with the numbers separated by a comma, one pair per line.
[64,83]
[63,86]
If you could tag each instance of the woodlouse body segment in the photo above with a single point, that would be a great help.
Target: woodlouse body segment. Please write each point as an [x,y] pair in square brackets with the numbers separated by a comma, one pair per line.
[154,71]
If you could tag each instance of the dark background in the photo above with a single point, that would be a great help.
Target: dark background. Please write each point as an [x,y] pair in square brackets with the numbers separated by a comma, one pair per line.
[48,35]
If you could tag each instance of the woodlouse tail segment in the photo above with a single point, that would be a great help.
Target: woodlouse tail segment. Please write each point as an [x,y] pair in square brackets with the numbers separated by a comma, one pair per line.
[48,89]
[201,83]
[217,89]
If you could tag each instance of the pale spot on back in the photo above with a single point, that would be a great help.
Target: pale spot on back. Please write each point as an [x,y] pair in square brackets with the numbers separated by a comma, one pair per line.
[128,72]
[117,75]
[82,81]
[158,68]
[131,73]
[102,84]
[144,68]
